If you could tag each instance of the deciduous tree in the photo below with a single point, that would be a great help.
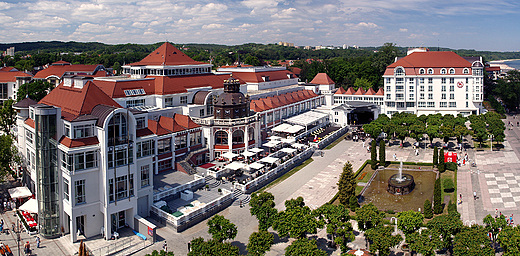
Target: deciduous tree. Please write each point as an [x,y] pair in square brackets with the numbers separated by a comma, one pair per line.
[381,239]
[221,228]
[213,247]
[368,216]
[262,206]
[425,242]
[494,226]
[259,243]
[296,221]
[7,116]
[336,220]
[304,247]
[509,239]
[409,221]
[472,241]
[36,90]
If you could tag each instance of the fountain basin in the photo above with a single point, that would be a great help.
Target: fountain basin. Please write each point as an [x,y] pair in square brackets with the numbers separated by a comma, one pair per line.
[401,185]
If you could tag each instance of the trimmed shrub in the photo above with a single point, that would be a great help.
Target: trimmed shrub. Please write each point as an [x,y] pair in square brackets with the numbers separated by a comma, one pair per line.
[428,211]
[437,200]
[382,153]
[448,185]
[373,155]
[450,166]
[435,156]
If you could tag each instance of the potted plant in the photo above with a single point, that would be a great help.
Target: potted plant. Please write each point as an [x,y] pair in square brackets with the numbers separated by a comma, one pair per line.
[220,191]
[207,187]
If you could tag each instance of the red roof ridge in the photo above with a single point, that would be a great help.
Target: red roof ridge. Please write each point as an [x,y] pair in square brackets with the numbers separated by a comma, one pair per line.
[360,91]
[380,92]
[340,91]
[166,55]
[322,78]
[370,91]
[350,91]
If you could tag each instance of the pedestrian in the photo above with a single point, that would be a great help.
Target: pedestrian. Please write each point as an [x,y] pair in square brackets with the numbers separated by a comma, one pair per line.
[165,247]
[27,247]
[475,195]
[37,242]
[363,143]
[496,213]
[460,196]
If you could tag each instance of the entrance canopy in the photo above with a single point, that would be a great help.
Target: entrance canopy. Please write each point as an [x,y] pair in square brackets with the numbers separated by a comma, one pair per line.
[281,128]
[256,150]
[269,159]
[235,166]
[30,206]
[229,155]
[307,118]
[256,165]
[19,192]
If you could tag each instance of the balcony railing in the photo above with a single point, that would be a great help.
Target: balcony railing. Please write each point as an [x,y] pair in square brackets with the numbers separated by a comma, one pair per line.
[227,122]
[114,141]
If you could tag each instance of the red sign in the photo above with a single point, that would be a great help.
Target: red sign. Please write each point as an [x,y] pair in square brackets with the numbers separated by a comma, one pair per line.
[460,84]
[150,231]
[450,157]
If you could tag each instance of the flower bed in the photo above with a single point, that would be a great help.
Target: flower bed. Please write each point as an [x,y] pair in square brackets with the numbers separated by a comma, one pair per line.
[28,221]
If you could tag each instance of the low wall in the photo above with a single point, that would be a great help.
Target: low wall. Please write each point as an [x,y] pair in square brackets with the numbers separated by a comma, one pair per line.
[333,137]
[198,182]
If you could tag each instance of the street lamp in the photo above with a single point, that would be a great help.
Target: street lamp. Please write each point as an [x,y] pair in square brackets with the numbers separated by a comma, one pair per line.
[425,136]
[491,137]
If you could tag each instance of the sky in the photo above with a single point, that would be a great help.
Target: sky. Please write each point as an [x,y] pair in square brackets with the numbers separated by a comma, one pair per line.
[463,24]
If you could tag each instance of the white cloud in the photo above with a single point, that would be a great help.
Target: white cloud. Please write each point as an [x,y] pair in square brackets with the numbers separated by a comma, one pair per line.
[212,26]
[4,6]
[403,30]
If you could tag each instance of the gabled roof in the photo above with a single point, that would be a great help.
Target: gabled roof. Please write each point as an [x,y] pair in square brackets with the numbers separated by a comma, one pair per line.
[167,125]
[380,92]
[73,143]
[271,102]
[431,60]
[322,78]
[340,91]
[61,62]
[257,77]
[29,122]
[350,91]
[11,75]
[75,101]
[8,69]
[166,55]
[25,103]
[59,71]
[360,91]
[370,92]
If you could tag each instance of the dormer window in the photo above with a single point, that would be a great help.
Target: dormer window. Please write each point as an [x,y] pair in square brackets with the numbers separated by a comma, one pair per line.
[452,71]
[422,71]
[466,71]
[399,71]
[430,71]
[443,71]
[83,131]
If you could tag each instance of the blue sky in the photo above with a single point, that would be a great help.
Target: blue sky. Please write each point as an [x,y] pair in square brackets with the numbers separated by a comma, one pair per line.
[476,24]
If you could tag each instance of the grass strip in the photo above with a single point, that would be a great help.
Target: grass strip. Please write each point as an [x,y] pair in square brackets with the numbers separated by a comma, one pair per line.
[331,145]
[286,175]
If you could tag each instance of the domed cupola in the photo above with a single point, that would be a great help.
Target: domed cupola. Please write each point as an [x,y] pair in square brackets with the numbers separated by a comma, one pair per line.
[231,103]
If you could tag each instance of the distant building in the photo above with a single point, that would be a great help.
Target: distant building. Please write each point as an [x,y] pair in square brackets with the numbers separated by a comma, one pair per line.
[307,47]
[286,44]
[10,81]
[10,51]
[345,46]
[56,71]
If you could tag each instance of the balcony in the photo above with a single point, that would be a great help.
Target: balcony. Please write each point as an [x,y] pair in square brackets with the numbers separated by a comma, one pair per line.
[224,122]
[114,141]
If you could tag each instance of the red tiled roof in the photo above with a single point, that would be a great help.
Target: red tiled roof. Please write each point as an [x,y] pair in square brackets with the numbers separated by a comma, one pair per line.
[29,122]
[166,55]
[436,60]
[61,62]
[340,91]
[380,92]
[271,102]
[59,71]
[75,101]
[10,76]
[167,125]
[492,68]
[143,132]
[350,91]
[256,77]
[236,66]
[7,69]
[156,128]
[370,92]
[296,70]
[360,91]
[322,78]
[73,143]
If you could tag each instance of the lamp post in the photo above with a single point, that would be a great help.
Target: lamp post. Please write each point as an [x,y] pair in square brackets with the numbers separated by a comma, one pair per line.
[491,137]
[425,136]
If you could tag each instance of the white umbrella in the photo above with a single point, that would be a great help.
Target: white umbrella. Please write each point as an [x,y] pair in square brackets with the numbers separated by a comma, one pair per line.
[256,165]
[235,166]
[30,206]
[256,150]
[288,150]
[298,145]
[281,128]
[229,155]
[19,192]
[274,138]
[272,143]
[269,159]
[248,153]
[288,140]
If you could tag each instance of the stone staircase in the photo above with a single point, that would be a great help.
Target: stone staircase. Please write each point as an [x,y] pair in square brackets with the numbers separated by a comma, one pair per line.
[185,162]
[238,195]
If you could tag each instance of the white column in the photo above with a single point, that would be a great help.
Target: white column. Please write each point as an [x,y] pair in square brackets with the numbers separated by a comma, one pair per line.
[246,136]
[230,140]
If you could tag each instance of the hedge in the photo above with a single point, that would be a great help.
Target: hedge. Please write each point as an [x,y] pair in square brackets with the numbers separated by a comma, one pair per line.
[451,166]
[448,185]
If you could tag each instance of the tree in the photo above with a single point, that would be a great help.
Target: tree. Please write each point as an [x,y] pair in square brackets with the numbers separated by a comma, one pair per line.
[262,206]
[382,153]
[409,221]
[509,239]
[437,200]
[433,132]
[441,165]
[346,184]
[7,116]
[460,131]
[252,60]
[494,226]
[362,83]
[508,89]
[368,216]
[428,211]
[478,127]
[446,226]
[336,219]
[435,156]
[221,228]
[373,129]
[373,155]
[402,133]
[117,67]
[381,239]
[213,247]
[425,242]
[161,253]
[259,243]
[82,249]
[35,90]
[353,203]
[472,241]
[304,247]
[8,154]
[296,221]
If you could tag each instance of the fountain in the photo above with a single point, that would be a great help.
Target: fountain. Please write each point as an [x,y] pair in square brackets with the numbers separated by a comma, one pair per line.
[400,184]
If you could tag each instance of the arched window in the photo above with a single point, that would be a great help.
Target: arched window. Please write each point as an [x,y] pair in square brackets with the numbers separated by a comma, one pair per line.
[466,71]
[238,137]
[443,71]
[251,133]
[117,130]
[452,71]
[221,138]
[430,71]
[399,71]
[422,71]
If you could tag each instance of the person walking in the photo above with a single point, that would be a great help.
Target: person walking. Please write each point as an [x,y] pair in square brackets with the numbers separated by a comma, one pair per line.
[165,247]
[27,247]
[37,242]
[475,195]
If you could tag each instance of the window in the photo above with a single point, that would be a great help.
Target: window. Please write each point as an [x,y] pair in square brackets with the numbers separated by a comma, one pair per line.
[443,104]
[452,88]
[421,80]
[467,104]
[388,96]
[140,122]
[134,103]
[201,112]
[80,161]
[336,121]
[221,138]
[123,156]
[121,188]
[466,87]
[430,71]
[238,137]
[164,165]
[399,88]
[453,104]
[466,71]
[443,96]
[452,71]
[168,102]
[421,96]
[410,96]
[66,189]
[430,96]
[80,191]
[400,104]
[467,96]
[452,96]
[181,142]
[164,146]
[443,71]
[421,88]
[399,71]
[399,80]
[467,81]
[430,88]
[410,104]
[431,104]
[29,136]
[452,80]
[145,148]
[145,176]
[83,131]
[399,96]
[66,130]
[443,80]
[421,104]
[443,88]
[195,138]
[430,80]
[421,71]
[390,104]
[411,80]
[184,99]
[388,80]
[388,88]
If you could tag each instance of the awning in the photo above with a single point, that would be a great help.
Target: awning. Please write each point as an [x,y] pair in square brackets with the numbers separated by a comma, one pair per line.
[30,206]
[19,192]
[288,140]
[256,150]
[295,128]
[281,128]
[272,143]
[288,150]
[307,118]
[298,145]
[229,155]
[256,165]
[269,159]
[248,153]
[235,166]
